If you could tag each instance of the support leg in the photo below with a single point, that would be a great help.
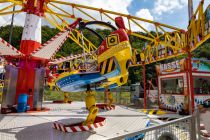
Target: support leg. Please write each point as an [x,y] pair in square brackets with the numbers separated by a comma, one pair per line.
[110,97]
[91,107]
[66,97]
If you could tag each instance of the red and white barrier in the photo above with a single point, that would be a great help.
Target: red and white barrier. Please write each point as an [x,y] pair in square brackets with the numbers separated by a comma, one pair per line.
[99,122]
[105,107]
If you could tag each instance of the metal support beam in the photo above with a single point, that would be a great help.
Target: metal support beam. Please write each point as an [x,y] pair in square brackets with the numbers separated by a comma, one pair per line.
[190,9]
[11,27]
[145,86]
[191,84]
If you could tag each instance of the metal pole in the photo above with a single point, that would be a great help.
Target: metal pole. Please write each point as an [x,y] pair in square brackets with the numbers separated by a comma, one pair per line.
[145,90]
[191,84]
[190,9]
[11,26]
[84,54]
[198,123]
[193,126]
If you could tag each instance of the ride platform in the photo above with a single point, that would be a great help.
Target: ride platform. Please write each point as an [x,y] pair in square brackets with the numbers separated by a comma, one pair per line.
[40,125]
[105,106]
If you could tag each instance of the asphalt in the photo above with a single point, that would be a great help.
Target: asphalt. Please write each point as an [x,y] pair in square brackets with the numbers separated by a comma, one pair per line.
[205,119]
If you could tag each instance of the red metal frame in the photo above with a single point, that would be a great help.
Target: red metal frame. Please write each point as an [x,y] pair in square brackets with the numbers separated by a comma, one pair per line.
[202,72]
[191,86]
[171,73]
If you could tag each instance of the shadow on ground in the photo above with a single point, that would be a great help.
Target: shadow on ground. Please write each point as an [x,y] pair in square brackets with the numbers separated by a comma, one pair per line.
[44,131]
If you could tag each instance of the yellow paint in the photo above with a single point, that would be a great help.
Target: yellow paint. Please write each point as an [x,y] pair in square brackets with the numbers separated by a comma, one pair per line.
[110,98]
[110,64]
[122,53]
[104,66]
[161,112]
[112,40]
[93,111]
[91,107]
[51,85]
[1,93]
[66,97]
[153,111]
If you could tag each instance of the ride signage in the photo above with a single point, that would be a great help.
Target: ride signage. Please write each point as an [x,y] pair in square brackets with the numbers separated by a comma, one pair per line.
[169,67]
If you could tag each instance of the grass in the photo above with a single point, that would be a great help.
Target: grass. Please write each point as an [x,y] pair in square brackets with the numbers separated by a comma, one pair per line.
[120,97]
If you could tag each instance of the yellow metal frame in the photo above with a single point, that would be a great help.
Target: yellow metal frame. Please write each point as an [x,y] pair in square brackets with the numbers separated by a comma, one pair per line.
[196,28]
[161,37]
[170,38]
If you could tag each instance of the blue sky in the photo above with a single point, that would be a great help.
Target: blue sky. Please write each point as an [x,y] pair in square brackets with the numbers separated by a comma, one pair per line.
[175,14]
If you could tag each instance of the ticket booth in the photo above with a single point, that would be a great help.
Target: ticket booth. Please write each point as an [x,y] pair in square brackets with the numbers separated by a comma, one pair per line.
[173,84]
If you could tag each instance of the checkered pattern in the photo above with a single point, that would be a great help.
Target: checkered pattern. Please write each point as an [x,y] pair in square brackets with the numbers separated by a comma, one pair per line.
[99,122]
[7,49]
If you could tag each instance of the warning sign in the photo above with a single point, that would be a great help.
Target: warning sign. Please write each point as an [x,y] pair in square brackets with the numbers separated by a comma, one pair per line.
[112,40]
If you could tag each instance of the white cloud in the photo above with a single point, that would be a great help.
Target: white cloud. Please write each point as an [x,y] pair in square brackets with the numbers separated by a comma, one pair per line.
[6,19]
[145,13]
[112,5]
[168,6]
[2,21]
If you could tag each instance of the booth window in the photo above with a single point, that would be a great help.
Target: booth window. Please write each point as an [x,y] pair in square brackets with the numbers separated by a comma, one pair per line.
[172,86]
[201,85]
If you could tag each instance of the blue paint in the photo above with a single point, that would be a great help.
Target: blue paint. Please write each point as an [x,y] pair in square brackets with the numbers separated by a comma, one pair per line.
[200,65]
[22,103]
[78,82]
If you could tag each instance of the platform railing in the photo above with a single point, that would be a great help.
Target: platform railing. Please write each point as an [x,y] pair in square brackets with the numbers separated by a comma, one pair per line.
[186,128]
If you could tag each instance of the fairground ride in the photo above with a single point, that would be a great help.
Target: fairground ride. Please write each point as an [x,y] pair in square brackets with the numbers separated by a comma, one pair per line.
[168,42]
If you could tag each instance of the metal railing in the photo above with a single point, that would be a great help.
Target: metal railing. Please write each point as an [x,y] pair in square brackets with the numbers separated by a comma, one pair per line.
[186,128]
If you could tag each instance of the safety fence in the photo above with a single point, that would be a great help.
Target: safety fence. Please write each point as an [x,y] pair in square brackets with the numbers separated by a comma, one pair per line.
[122,95]
[186,128]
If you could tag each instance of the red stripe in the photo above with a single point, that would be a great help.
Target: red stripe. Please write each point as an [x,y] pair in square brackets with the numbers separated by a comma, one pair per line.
[64,128]
[95,125]
[100,124]
[82,128]
[89,126]
[55,125]
[73,129]
[60,127]
[29,46]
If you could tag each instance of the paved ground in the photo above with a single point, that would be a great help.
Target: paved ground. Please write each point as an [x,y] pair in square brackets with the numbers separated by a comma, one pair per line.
[205,119]
[38,126]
